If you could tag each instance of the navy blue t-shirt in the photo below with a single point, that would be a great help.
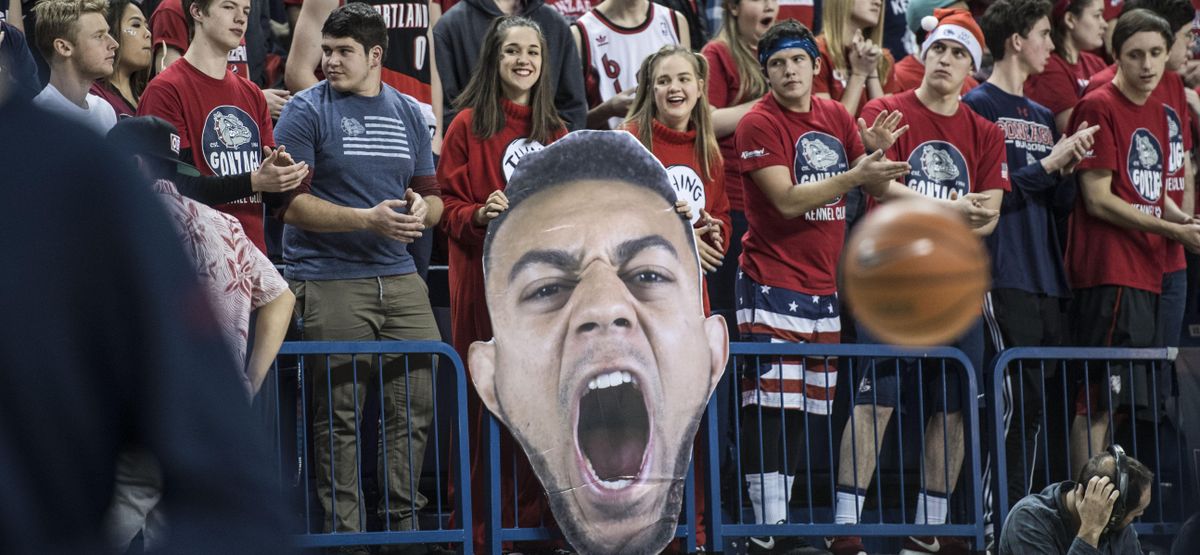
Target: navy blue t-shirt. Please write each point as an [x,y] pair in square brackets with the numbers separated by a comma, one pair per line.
[1024,246]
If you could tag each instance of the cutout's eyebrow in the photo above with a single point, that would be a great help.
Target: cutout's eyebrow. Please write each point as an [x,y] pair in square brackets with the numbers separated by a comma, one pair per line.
[629,249]
[557,258]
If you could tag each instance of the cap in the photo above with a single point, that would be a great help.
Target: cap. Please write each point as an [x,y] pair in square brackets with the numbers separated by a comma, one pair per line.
[956,25]
[150,136]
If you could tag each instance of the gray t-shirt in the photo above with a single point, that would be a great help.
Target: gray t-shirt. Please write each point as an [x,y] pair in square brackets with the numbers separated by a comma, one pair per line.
[99,115]
[1040,524]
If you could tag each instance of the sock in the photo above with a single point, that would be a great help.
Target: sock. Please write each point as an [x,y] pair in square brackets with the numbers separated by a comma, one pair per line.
[931,508]
[775,498]
[849,505]
[755,484]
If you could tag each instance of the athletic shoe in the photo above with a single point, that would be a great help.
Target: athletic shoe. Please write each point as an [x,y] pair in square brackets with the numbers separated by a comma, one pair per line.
[846,545]
[935,544]
[788,545]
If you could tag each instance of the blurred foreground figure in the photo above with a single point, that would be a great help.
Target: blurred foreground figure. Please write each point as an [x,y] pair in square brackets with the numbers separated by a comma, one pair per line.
[106,342]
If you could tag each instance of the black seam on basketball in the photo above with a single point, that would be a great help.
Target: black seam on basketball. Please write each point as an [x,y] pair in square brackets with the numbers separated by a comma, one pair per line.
[881,281]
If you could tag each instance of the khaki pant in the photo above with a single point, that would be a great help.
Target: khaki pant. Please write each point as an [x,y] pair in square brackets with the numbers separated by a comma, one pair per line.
[369,309]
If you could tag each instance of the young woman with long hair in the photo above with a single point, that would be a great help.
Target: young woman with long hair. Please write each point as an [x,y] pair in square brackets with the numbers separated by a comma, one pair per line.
[505,112]
[131,70]
[1077,27]
[855,67]
[735,82]
[670,116]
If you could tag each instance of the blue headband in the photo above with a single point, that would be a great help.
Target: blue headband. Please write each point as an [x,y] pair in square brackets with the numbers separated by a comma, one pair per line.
[785,43]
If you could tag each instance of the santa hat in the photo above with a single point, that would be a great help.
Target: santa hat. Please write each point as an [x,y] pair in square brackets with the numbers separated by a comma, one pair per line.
[957,25]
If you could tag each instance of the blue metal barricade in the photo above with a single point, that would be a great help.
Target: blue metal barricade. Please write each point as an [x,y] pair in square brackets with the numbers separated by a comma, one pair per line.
[501,530]
[756,368]
[1043,401]
[396,384]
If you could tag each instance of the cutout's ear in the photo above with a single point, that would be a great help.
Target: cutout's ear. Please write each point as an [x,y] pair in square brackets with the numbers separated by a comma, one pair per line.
[718,346]
[482,360]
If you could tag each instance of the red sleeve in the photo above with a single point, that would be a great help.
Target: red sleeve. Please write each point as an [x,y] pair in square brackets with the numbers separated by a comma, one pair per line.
[993,158]
[717,203]
[162,100]
[1181,108]
[718,76]
[169,27]
[460,196]
[892,86]
[758,144]
[1054,88]
[1103,155]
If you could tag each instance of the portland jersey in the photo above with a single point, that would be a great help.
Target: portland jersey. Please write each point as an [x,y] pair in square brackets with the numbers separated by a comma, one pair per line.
[1170,91]
[1132,143]
[613,54]
[406,59]
[957,154]
[799,254]
[224,122]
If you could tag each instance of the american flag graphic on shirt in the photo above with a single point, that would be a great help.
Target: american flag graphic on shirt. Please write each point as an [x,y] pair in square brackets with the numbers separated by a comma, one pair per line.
[375,136]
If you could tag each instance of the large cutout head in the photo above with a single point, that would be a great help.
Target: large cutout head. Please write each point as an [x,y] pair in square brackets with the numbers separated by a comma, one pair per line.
[602,361]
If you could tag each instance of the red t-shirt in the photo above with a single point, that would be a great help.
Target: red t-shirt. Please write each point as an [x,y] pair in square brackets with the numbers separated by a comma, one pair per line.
[168,27]
[1131,142]
[677,152]
[114,98]
[800,254]
[723,84]
[1170,91]
[1060,86]
[225,122]
[469,170]
[832,81]
[570,9]
[910,72]
[800,10]
[962,153]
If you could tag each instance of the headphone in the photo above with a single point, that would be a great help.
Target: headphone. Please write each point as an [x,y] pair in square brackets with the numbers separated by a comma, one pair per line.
[1121,481]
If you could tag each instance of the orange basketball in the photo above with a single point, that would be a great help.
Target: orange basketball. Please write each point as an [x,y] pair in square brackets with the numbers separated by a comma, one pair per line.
[915,274]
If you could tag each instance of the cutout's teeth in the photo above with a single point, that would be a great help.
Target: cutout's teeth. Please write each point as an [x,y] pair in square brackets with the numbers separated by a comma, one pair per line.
[614,484]
[626,377]
[604,381]
[592,385]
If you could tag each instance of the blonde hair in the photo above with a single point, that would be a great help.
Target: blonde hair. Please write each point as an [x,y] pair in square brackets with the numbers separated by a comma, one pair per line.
[833,14]
[752,83]
[59,19]
[644,110]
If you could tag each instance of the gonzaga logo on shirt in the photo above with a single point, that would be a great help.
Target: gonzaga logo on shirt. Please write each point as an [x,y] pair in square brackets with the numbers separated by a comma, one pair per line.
[938,168]
[1174,180]
[1144,165]
[230,143]
[688,188]
[514,152]
[820,156]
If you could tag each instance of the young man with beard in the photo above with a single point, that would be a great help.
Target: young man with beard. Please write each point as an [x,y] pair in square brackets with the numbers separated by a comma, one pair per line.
[956,159]
[1120,227]
[224,123]
[345,246]
[802,154]
[73,37]
[1028,279]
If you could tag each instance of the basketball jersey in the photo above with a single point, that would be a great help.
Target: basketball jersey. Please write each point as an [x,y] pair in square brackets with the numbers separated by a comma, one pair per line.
[406,59]
[613,54]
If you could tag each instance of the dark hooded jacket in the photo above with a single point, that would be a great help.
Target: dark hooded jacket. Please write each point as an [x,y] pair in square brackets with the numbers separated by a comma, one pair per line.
[459,34]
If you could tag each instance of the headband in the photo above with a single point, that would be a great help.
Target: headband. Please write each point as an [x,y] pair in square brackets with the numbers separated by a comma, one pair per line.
[785,43]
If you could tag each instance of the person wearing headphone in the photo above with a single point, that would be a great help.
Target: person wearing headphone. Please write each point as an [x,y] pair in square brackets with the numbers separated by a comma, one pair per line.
[1091,516]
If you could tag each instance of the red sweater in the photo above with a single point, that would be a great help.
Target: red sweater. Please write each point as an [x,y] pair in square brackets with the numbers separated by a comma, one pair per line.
[677,152]
[469,170]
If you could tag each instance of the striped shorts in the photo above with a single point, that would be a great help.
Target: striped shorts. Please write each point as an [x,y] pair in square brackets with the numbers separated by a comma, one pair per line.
[767,314]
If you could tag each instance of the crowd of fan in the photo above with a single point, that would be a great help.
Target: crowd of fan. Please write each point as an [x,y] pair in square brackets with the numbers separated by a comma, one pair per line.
[346,143]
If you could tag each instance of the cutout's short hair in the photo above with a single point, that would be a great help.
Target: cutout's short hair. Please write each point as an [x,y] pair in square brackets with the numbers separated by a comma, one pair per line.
[358,21]
[1005,18]
[59,19]
[1139,21]
[1105,465]
[585,156]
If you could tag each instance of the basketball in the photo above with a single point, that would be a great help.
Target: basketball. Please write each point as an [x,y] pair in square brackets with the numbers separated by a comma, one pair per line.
[915,274]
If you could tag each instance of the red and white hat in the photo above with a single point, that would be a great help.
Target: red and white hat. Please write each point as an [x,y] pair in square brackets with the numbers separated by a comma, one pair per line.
[957,25]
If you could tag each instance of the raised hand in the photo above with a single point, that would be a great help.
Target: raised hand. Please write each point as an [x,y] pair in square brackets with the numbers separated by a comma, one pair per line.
[883,132]
[491,209]
[278,172]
